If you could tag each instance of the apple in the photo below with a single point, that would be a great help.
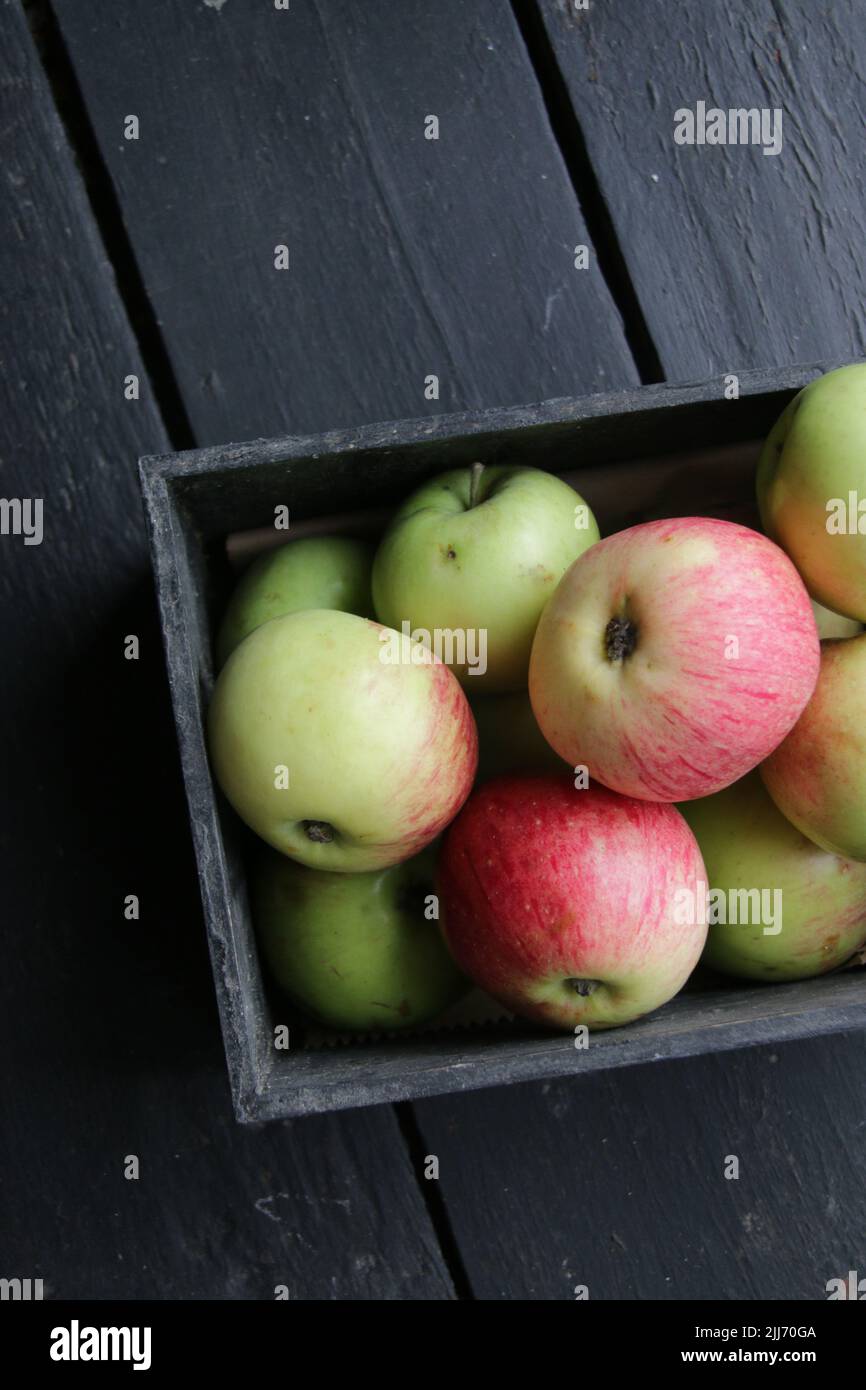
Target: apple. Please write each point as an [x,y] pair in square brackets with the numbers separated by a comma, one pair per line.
[333,753]
[831,624]
[315,572]
[674,657]
[810,488]
[509,740]
[475,554]
[355,950]
[817,776]
[805,912]
[572,907]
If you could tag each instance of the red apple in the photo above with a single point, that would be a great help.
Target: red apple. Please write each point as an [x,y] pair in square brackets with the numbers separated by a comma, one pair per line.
[674,657]
[572,907]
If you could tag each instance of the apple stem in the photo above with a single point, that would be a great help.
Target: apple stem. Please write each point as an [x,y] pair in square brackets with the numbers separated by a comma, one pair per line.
[474,481]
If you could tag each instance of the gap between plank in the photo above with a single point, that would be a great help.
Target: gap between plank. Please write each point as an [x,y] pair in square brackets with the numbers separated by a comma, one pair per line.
[104,205]
[599,224]
[434,1201]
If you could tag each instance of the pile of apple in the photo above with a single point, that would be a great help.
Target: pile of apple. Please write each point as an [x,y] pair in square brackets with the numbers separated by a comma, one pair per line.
[663,740]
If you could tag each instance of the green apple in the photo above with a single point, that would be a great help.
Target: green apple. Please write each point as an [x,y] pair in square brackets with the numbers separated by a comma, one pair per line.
[474,555]
[332,751]
[812,487]
[817,775]
[356,950]
[316,572]
[509,739]
[811,915]
[831,624]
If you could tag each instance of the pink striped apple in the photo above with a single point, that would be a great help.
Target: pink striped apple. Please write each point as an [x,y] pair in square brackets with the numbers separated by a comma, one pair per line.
[674,657]
[572,907]
[817,776]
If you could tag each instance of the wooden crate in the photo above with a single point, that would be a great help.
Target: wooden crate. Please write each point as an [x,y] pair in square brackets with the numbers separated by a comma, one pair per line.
[660,450]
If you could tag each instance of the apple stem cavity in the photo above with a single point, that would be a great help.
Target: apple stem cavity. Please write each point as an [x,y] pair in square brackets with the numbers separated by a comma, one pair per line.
[620,638]
[319,831]
[474,483]
[583,987]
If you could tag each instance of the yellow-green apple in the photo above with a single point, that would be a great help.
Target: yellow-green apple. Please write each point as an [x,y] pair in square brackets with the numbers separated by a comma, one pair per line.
[356,950]
[832,624]
[336,754]
[817,776]
[674,657]
[509,740]
[780,908]
[474,556]
[572,907]
[812,487]
[314,572]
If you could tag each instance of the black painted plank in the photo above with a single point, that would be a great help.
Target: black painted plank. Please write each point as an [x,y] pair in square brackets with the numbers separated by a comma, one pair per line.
[408,256]
[739,259]
[618,1182]
[107,1026]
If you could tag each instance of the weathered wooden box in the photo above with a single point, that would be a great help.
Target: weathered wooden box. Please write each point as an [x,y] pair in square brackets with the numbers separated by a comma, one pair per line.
[657,451]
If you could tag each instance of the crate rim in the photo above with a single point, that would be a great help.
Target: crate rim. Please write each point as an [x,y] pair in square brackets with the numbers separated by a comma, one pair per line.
[186,463]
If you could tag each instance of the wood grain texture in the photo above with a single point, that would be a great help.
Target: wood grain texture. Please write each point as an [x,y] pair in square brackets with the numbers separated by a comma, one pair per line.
[739,259]
[408,256]
[107,1026]
[618,1182]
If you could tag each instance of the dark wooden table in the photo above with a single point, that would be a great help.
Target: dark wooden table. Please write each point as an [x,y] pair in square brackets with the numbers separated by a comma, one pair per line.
[154,258]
